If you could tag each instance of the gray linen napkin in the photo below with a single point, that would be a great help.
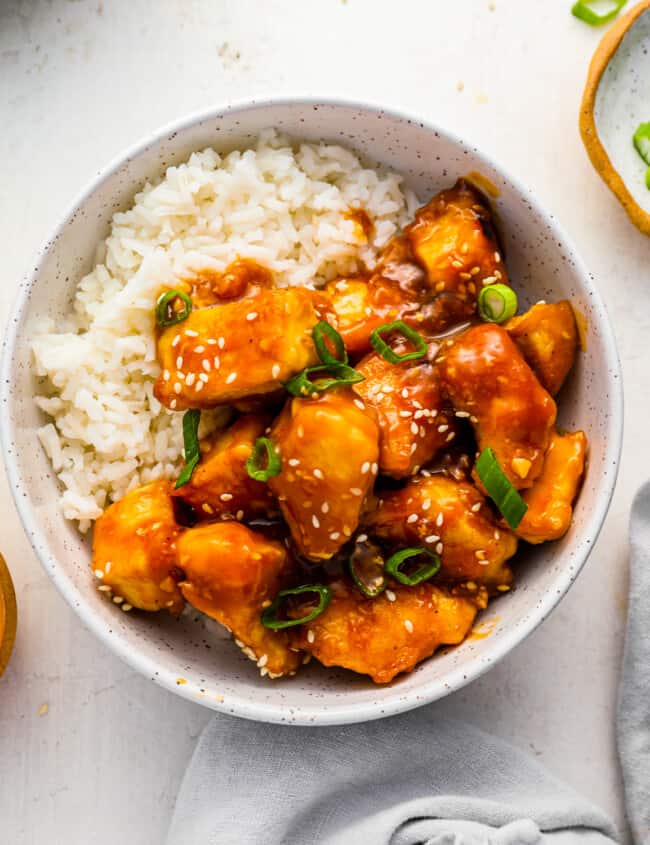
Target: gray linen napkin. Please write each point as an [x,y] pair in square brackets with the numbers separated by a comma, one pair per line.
[409,779]
[634,699]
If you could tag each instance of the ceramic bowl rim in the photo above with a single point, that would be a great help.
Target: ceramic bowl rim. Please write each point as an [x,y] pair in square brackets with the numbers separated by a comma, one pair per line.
[388,700]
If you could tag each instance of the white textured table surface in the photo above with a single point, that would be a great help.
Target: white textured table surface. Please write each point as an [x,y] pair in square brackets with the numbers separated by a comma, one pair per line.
[91,752]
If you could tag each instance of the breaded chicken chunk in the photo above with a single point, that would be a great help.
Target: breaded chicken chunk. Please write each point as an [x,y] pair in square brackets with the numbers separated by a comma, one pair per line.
[484,375]
[452,519]
[547,336]
[220,486]
[329,448]
[240,349]
[382,637]
[453,239]
[413,421]
[550,499]
[232,573]
[134,549]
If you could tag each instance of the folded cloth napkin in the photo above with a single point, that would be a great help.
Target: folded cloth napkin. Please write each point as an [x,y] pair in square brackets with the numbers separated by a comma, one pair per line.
[634,699]
[410,779]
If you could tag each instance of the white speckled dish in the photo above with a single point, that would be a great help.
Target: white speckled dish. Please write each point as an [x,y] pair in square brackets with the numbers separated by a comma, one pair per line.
[616,100]
[191,658]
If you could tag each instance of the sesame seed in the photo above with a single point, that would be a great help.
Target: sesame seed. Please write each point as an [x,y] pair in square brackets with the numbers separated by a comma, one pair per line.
[199,349]
[439,548]
[225,497]
[497,536]
[426,504]
[457,264]
[390,595]
[212,342]
[264,659]
[480,554]
[473,419]
[440,519]
[405,394]
[217,362]
[189,381]
[176,340]
[497,257]
[408,625]
[300,431]
[207,508]
[315,521]
[310,636]
[127,607]
[118,599]
[99,573]
[414,428]
[365,467]
[359,404]
[251,316]
[477,507]
[334,535]
[104,588]
[179,362]
[450,436]
[432,538]
[239,515]
[221,342]
[191,333]
[293,462]
[374,468]
[204,378]
[362,538]
[406,414]
[503,588]
[443,428]
[199,386]
[166,375]
[231,378]
[379,397]
[325,507]
[462,414]
[356,491]
[275,370]
[177,388]
[412,518]
[207,366]
[107,566]
[318,473]
[172,404]
[475,271]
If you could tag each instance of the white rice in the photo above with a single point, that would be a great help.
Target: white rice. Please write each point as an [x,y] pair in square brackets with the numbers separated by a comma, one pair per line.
[281,204]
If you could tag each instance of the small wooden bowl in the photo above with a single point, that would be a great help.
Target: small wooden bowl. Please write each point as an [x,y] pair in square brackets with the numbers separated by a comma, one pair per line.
[614,102]
[8,615]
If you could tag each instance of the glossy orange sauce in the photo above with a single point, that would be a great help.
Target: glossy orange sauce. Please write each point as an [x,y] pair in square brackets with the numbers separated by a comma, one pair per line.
[240,278]
[483,183]
[362,220]
[583,328]
[484,629]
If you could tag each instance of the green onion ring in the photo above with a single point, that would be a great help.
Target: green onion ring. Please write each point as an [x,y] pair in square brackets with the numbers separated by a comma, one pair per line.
[497,303]
[587,11]
[340,376]
[379,344]
[269,620]
[422,573]
[165,313]
[499,488]
[322,332]
[191,421]
[264,447]
[367,570]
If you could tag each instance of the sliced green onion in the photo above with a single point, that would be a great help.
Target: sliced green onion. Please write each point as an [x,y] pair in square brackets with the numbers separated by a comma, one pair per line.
[322,332]
[270,620]
[641,140]
[379,344]
[166,312]
[497,303]
[499,488]
[339,376]
[597,12]
[191,421]
[366,566]
[263,451]
[425,571]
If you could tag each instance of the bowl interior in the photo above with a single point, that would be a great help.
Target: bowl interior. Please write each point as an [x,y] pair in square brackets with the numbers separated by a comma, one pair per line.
[193,656]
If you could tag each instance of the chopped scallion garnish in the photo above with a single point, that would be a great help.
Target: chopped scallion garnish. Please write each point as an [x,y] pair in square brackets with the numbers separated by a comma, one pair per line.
[270,619]
[381,346]
[497,303]
[264,451]
[167,311]
[499,488]
[641,139]
[322,333]
[597,12]
[191,421]
[367,570]
[339,375]
[426,570]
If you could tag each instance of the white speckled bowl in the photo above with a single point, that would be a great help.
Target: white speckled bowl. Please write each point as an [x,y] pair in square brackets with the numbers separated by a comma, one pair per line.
[197,661]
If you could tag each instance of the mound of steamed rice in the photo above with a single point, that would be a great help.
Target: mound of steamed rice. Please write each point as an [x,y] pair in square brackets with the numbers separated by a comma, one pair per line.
[282,204]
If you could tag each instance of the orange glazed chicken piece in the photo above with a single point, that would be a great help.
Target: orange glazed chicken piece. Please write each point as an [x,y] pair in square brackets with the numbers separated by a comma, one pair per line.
[232,573]
[413,423]
[485,376]
[220,485]
[134,549]
[547,336]
[452,519]
[452,237]
[330,450]
[382,637]
[550,499]
[240,349]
